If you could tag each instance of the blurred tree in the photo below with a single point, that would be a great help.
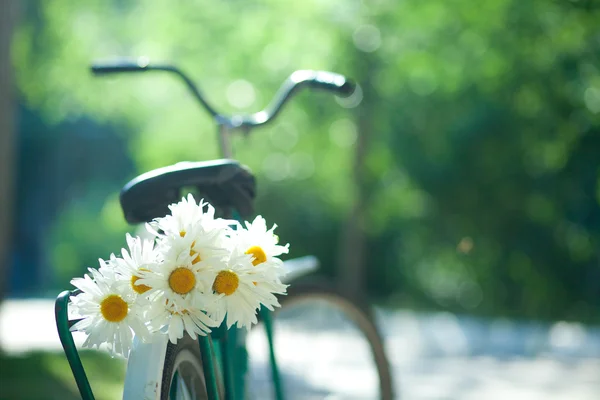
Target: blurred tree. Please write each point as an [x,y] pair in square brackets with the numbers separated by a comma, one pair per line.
[7,142]
[466,179]
[352,259]
[497,123]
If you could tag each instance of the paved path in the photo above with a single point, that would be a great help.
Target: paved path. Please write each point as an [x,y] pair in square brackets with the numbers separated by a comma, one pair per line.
[434,356]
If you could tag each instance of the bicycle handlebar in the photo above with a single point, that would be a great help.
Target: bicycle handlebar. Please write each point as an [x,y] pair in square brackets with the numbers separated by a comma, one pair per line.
[329,81]
[120,66]
[332,82]
[142,65]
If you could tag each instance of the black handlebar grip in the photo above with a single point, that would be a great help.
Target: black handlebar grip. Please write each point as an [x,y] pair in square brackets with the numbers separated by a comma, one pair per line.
[347,89]
[334,82]
[126,65]
[329,81]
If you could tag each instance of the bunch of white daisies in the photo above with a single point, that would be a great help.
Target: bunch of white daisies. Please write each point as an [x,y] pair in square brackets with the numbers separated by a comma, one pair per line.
[197,271]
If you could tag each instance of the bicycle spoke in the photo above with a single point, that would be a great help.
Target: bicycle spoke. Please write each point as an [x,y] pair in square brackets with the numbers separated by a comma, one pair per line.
[173,388]
[183,391]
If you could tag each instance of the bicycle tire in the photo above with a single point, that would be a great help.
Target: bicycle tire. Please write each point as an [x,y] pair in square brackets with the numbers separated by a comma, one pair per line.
[356,311]
[185,352]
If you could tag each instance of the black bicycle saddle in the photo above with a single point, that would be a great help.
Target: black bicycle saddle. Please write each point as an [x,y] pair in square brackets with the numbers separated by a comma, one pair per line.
[223,183]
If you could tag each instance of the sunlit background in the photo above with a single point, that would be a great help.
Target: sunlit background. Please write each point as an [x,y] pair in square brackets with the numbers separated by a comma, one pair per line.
[460,191]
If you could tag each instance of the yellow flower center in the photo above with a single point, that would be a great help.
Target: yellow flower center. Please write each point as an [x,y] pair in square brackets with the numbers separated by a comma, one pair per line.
[192,252]
[226,282]
[171,310]
[197,259]
[182,280]
[114,308]
[182,233]
[139,289]
[258,253]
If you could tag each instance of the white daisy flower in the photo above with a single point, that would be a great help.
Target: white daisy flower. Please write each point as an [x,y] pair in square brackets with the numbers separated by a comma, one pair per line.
[205,246]
[242,289]
[142,256]
[261,244]
[185,215]
[164,318]
[266,285]
[181,278]
[109,314]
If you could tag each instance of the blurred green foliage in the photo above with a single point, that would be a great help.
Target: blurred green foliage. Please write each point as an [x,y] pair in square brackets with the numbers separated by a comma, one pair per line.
[46,375]
[481,167]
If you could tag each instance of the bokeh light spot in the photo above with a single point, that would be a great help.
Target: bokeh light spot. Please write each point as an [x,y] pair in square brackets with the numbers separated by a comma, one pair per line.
[241,94]
[465,245]
[591,98]
[276,166]
[367,38]
[422,82]
[301,165]
[343,132]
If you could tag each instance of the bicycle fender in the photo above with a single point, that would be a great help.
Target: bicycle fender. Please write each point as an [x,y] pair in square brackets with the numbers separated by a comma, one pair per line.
[299,267]
[144,369]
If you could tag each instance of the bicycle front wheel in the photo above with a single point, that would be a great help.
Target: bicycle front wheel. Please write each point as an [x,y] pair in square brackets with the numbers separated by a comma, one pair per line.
[327,346]
[183,374]
[161,370]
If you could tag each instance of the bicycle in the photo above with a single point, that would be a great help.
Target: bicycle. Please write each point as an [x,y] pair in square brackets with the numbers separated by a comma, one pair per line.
[216,366]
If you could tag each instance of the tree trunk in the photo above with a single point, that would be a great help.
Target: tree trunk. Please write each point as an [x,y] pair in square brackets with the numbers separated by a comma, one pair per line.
[353,250]
[7,141]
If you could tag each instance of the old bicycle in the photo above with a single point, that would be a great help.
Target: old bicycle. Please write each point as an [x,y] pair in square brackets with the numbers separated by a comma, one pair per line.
[217,366]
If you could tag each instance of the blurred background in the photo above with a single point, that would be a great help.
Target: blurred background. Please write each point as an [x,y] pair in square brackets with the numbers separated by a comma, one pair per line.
[462,189]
